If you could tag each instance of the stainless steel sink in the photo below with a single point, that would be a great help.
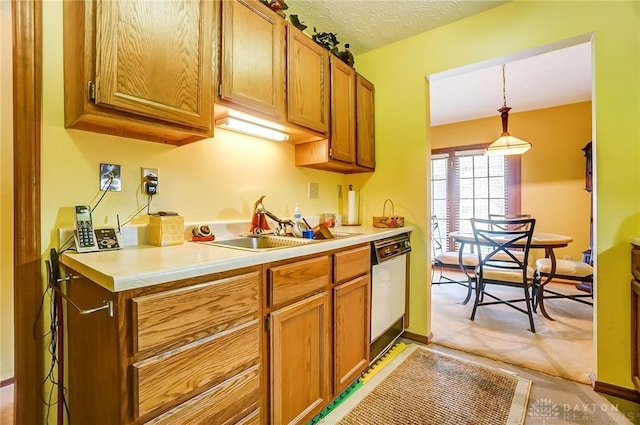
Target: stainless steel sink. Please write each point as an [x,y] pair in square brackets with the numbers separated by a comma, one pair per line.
[262,243]
[269,242]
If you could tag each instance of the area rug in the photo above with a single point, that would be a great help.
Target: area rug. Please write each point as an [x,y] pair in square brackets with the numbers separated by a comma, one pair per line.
[425,387]
[562,347]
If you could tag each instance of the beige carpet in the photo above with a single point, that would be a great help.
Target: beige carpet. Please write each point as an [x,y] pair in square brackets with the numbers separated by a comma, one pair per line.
[427,387]
[563,347]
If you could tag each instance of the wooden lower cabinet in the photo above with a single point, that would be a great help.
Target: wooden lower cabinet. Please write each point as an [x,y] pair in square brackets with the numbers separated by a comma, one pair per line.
[635,316]
[635,334]
[300,360]
[351,323]
[183,352]
[319,333]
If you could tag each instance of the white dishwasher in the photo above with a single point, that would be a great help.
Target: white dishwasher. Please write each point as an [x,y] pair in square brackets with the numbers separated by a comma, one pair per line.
[388,291]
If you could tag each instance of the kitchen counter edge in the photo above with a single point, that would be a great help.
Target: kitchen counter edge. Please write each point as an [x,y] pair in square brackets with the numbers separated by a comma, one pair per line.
[141,266]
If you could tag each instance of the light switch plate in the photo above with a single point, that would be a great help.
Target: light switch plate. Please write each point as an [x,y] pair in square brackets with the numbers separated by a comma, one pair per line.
[314,190]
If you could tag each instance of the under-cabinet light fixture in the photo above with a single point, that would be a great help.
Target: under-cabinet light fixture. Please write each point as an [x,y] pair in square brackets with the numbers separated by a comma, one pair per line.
[506,144]
[252,129]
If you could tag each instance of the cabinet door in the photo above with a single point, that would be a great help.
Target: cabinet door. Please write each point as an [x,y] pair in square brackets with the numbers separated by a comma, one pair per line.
[343,126]
[300,360]
[351,331]
[635,334]
[253,57]
[155,59]
[307,82]
[365,133]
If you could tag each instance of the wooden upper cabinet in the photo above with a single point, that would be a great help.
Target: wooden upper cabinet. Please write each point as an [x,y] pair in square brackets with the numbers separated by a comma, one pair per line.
[343,129]
[350,147]
[253,58]
[307,81]
[140,69]
[365,120]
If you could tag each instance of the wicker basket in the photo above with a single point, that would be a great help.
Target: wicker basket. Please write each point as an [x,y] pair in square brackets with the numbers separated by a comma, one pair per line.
[391,220]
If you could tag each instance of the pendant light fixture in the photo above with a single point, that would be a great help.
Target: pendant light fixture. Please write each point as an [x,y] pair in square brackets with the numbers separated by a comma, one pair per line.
[506,143]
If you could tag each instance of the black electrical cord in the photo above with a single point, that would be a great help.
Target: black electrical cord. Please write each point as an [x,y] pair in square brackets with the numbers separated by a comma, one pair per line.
[135,214]
[55,343]
[105,189]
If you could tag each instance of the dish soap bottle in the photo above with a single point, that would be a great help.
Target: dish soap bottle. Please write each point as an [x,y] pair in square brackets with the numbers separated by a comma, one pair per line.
[297,215]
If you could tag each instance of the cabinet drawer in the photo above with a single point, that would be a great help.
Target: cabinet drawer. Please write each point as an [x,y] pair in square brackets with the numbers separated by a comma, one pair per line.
[351,263]
[235,401]
[170,378]
[291,281]
[635,263]
[180,316]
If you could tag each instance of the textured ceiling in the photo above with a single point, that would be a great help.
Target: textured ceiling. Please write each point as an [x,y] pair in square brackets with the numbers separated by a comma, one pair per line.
[369,24]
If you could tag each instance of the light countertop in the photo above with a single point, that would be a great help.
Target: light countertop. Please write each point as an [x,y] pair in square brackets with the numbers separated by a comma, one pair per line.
[145,265]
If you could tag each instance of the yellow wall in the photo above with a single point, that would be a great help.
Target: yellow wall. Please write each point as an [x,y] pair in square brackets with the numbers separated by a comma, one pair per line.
[553,171]
[403,139]
[6,195]
[213,179]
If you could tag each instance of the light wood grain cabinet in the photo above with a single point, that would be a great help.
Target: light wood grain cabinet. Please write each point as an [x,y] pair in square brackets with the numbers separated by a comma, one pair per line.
[343,112]
[181,352]
[308,82]
[252,76]
[635,316]
[140,69]
[351,331]
[350,147]
[318,333]
[365,123]
[300,359]
[351,316]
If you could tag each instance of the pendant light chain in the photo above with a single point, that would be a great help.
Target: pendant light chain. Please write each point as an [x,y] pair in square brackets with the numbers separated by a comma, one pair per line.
[504,88]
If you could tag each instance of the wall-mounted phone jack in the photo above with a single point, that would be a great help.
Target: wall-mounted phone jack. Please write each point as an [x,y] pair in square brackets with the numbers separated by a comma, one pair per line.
[149,181]
[110,178]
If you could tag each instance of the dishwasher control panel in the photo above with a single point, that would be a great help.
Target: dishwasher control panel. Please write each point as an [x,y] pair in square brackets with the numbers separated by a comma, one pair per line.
[388,248]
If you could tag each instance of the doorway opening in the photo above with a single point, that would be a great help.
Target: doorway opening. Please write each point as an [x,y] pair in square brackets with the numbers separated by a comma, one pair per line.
[557,120]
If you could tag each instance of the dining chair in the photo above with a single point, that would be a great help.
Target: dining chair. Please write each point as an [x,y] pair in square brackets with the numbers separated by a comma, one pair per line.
[497,217]
[498,265]
[450,260]
[576,271]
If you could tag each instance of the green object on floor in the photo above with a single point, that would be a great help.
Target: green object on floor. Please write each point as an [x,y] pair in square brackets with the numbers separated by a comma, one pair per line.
[337,401]
[379,364]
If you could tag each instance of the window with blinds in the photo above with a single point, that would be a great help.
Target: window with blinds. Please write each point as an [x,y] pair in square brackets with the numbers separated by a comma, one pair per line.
[465,183]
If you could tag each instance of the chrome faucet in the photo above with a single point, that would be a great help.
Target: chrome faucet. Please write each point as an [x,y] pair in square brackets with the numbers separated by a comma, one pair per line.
[260,211]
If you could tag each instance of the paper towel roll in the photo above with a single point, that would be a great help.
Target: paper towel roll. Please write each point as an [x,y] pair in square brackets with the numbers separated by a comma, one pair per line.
[352,214]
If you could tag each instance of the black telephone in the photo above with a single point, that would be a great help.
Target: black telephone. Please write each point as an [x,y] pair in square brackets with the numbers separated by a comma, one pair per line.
[88,239]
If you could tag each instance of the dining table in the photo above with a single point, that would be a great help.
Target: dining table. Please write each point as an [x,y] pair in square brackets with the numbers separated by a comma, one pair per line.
[540,240]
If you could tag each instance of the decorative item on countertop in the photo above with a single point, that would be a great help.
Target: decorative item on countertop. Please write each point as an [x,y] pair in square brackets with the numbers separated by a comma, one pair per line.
[352,218]
[328,219]
[202,233]
[347,56]
[391,220]
[166,229]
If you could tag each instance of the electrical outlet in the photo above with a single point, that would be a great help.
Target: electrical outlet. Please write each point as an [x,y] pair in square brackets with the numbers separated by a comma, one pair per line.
[567,257]
[150,181]
[314,190]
